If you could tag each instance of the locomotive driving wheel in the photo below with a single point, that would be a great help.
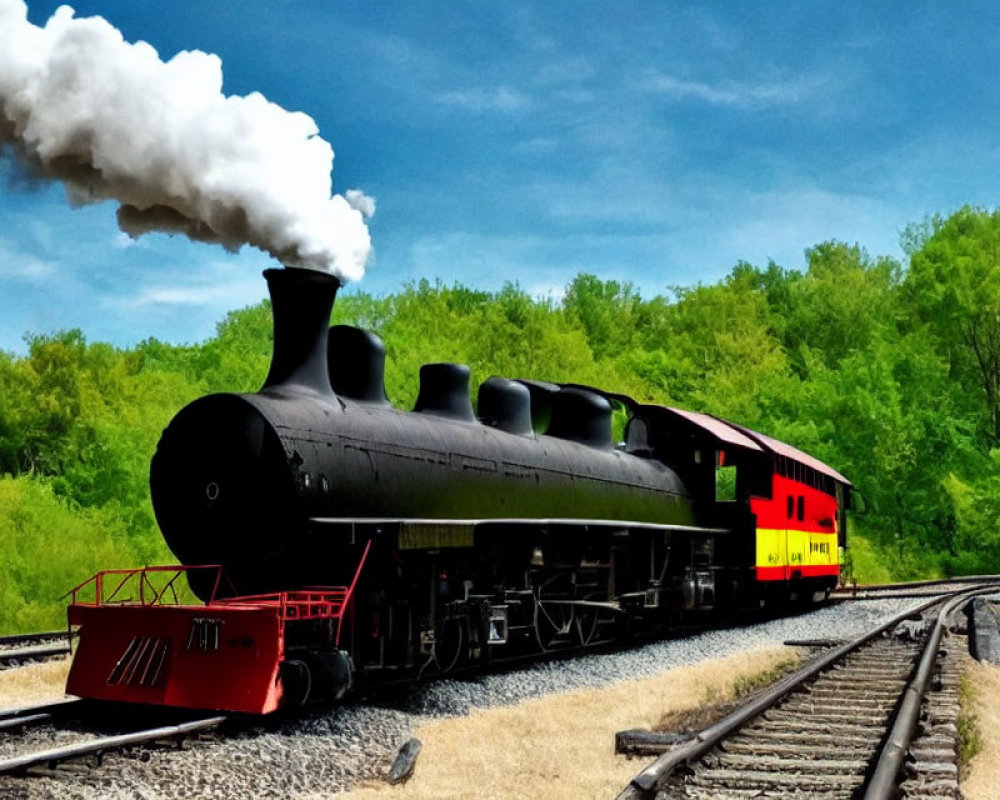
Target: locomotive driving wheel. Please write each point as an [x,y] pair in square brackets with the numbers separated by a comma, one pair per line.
[554,613]
[587,619]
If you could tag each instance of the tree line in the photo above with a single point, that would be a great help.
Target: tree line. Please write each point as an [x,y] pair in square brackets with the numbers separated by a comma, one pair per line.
[889,371]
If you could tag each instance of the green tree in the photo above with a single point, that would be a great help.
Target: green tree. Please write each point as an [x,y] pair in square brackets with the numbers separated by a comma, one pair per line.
[606,310]
[51,544]
[842,304]
[711,350]
[976,504]
[953,284]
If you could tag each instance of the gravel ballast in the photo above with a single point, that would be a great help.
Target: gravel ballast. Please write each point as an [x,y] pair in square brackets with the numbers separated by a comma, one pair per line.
[324,753]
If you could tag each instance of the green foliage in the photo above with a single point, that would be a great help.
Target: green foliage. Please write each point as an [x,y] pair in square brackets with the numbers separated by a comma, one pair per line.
[976,502]
[953,287]
[865,564]
[49,546]
[606,310]
[841,305]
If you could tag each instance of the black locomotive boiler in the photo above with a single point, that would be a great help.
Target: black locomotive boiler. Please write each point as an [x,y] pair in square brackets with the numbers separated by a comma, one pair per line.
[333,538]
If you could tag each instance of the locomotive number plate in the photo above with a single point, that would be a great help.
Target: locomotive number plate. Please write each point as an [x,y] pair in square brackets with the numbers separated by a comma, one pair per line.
[434,535]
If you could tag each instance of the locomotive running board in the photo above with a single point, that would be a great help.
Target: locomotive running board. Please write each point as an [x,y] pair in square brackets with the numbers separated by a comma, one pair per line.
[419,533]
[422,522]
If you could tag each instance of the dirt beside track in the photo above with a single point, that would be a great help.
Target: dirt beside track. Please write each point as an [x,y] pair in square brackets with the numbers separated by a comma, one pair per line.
[33,683]
[564,743]
[983,779]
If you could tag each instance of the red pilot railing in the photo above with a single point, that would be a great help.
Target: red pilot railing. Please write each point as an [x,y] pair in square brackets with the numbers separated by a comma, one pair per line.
[315,602]
[158,586]
[110,586]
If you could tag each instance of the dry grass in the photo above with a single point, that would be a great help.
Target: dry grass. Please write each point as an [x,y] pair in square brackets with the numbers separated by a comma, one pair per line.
[560,746]
[970,738]
[34,683]
[982,780]
[714,706]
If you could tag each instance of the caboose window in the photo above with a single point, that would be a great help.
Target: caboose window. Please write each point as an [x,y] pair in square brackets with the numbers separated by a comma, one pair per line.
[791,506]
[802,508]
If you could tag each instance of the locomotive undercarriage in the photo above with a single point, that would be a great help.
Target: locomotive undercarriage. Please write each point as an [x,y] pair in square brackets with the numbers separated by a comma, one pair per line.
[500,590]
[508,589]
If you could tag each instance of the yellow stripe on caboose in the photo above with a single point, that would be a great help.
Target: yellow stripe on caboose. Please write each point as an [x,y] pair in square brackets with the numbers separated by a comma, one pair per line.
[772,548]
[791,548]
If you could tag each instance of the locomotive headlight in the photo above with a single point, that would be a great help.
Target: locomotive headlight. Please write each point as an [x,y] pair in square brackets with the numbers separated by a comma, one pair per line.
[212,491]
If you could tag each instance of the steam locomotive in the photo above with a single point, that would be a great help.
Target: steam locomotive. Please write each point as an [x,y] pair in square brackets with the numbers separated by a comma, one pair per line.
[327,539]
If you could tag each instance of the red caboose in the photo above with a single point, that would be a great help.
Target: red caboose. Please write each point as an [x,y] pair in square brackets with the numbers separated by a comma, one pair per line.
[785,508]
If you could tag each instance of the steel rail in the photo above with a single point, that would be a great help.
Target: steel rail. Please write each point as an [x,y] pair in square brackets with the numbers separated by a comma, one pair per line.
[34,652]
[33,715]
[882,782]
[17,712]
[645,784]
[915,595]
[861,587]
[27,719]
[17,638]
[101,745]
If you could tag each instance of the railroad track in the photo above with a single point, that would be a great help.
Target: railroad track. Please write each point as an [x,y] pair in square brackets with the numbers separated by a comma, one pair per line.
[38,754]
[839,728]
[29,647]
[914,589]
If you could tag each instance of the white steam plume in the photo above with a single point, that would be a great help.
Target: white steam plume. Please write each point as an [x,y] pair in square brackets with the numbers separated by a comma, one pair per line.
[113,121]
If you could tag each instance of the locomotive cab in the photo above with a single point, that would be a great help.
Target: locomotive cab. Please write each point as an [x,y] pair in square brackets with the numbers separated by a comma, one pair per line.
[784,509]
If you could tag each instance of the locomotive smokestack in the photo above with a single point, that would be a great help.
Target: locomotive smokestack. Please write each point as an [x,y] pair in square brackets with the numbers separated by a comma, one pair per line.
[301,302]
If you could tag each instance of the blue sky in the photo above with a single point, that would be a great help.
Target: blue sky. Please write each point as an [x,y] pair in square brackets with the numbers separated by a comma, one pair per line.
[652,142]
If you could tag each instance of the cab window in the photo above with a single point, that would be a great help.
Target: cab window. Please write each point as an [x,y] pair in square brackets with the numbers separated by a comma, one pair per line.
[725,479]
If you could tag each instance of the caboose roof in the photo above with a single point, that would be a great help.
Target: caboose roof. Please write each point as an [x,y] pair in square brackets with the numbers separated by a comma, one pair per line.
[717,429]
[787,451]
[729,435]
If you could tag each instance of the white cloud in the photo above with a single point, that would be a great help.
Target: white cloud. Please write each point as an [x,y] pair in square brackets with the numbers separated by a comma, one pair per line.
[123,241]
[736,94]
[179,295]
[162,140]
[538,145]
[17,264]
[500,98]
[783,223]
[218,286]
[540,263]
[564,70]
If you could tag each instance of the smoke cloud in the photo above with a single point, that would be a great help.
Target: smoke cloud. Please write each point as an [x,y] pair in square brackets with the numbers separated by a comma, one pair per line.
[114,122]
